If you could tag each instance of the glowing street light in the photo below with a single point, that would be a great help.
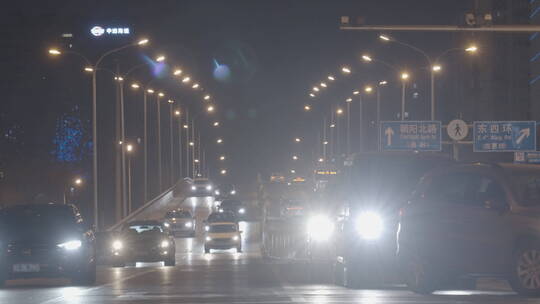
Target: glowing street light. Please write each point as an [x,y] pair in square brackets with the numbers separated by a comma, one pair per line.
[293,171]
[367,58]
[196,161]
[368,89]
[177,72]
[150,91]
[142,41]
[332,125]
[191,143]
[170,101]
[339,111]
[206,97]
[321,160]
[210,109]
[295,157]
[55,52]
[88,69]
[471,49]
[177,112]
[307,108]
[436,68]
[129,147]
[222,157]
[316,89]
[118,78]
[78,181]
[160,58]
[297,139]
[356,92]
[404,76]
[331,78]
[186,79]
[325,142]
[323,85]
[216,124]
[219,141]
[186,126]
[135,86]
[161,94]
[348,100]
[195,86]
[383,82]
[384,37]
[311,95]
[345,70]
[223,172]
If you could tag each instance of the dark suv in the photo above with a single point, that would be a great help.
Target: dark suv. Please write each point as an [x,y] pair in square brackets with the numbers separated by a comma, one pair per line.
[46,240]
[367,204]
[473,220]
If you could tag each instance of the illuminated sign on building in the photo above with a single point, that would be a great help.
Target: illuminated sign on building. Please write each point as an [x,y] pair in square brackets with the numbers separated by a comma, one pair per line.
[98,31]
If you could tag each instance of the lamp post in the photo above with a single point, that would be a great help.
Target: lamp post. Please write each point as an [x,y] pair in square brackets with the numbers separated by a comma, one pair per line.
[160,184]
[171,142]
[178,113]
[404,77]
[94,68]
[129,151]
[430,62]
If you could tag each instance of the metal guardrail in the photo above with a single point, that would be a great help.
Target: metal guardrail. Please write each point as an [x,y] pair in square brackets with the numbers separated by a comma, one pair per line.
[155,205]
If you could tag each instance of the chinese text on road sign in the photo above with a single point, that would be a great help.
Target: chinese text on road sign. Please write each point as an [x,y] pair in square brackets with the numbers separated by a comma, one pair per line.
[504,136]
[411,135]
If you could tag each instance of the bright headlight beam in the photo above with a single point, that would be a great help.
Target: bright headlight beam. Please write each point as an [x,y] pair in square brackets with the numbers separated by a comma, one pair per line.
[117,245]
[369,225]
[164,244]
[320,228]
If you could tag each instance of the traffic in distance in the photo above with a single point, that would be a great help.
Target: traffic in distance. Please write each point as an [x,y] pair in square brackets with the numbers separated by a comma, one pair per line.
[301,151]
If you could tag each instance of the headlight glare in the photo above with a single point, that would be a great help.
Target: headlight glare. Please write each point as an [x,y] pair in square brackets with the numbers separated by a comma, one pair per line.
[369,225]
[189,224]
[233,192]
[208,238]
[193,188]
[117,245]
[164,244]
[166,224]
[235,238]
[242,210]
[208,187]
[320,228]
[70,245]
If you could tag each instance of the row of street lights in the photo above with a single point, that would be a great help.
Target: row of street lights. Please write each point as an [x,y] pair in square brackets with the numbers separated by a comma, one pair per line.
[93,68]
[404,76]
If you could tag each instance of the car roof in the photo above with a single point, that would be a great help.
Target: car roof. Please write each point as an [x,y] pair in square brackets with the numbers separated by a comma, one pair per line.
[145,222]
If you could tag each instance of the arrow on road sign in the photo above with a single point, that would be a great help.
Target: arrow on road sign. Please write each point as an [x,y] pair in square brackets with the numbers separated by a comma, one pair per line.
[523,134]
[389,133]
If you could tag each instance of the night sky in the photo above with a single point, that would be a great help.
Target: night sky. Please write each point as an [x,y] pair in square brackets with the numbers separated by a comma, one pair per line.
[276,51]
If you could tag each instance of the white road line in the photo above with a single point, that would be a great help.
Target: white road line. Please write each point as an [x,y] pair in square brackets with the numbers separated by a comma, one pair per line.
[54,300]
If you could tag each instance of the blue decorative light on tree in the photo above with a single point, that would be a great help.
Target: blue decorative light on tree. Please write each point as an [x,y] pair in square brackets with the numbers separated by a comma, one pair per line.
[69,140]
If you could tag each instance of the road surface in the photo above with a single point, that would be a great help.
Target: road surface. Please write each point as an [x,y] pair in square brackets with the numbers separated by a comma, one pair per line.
[227,277]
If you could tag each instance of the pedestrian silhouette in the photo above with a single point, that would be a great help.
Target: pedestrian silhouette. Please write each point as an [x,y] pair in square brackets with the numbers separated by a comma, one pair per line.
[457,130]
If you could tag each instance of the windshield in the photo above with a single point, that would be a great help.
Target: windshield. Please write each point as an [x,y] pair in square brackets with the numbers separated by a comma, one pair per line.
[178,214]
[41,218]
[145,228]
[222,228]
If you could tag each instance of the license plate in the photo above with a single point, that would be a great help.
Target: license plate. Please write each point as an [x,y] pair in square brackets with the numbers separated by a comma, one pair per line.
[26,268]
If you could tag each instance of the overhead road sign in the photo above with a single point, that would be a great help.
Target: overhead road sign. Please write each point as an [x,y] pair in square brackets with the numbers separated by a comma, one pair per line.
[410,135]
[504,136]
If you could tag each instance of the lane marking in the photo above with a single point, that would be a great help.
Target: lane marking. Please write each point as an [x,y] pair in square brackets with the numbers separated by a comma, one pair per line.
[81,293]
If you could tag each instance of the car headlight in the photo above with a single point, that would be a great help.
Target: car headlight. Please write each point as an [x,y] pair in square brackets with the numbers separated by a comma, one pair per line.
[217,192]
[188,224]
[208,187]
[235,238]
[320,228]
[166,224]
[117,245]
[242,210]
[193,188]
[164,244]
[208,238]
[369,225]
[233,192]
[221,210]
[70,245]
[206,228]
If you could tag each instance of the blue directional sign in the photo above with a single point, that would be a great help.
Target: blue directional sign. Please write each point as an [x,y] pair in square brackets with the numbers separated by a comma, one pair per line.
[504,136]
[527,157]
[410,135]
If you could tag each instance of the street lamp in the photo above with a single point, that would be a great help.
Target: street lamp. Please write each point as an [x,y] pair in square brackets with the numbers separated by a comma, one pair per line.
[436,68]
[311,95]
[210,109]
[471,49]
[366,58]
[331,78]
[219,141]
[295,157]
[216,124]
[195,86]
[404,77]
[316,89]
[186,79]
[95,67]
[297,139]
[339,111]
[177,72]
[307,108]
[77,182]
[129,150]
[206,97]
[88,69]
[222,157]
[171,141]
[322,84]
[345,70]
[160,58]
[223,172]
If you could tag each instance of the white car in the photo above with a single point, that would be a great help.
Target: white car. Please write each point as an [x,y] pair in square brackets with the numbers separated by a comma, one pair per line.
[223,235]
[180,222]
